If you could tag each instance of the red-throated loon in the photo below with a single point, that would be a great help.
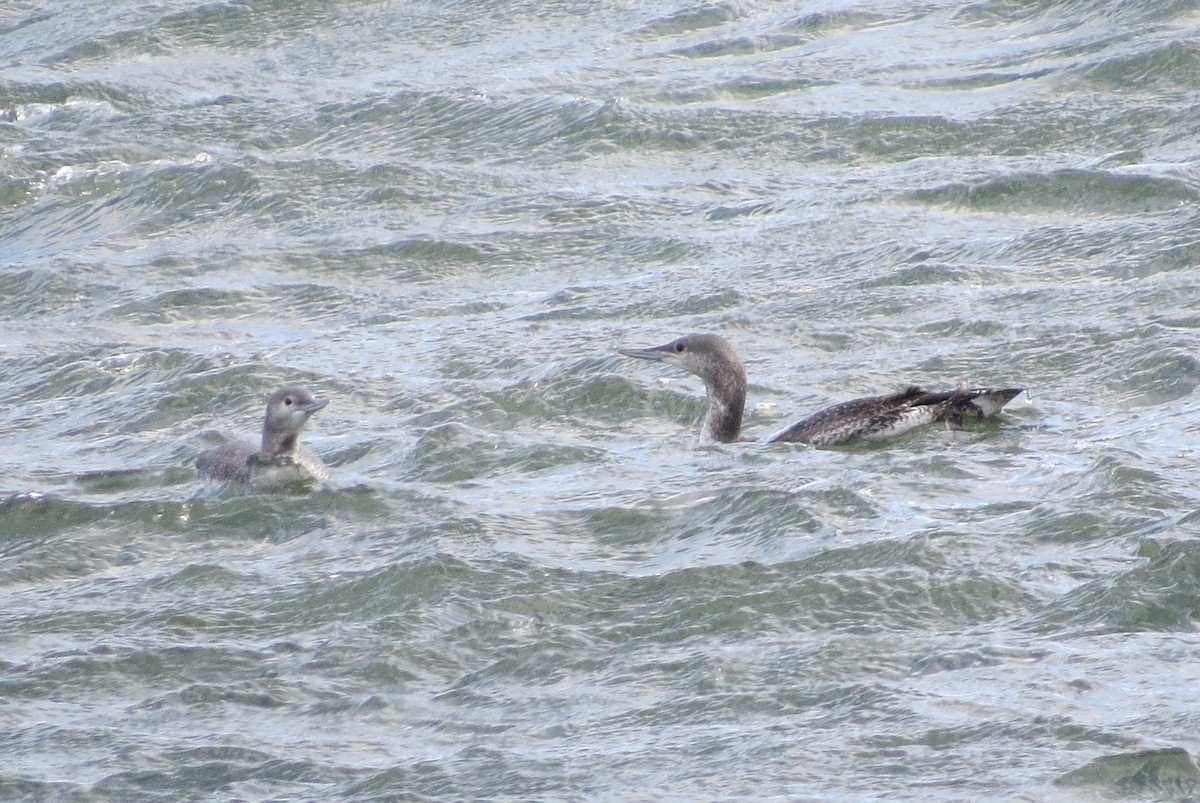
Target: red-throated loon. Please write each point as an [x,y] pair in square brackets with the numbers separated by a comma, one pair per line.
[711,358]
[280,459]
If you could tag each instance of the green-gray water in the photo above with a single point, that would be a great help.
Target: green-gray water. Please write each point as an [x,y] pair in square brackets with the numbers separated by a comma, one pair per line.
[526,580]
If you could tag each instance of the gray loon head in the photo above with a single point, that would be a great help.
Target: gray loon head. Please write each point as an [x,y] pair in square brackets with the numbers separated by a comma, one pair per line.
[711,358]
[288,410]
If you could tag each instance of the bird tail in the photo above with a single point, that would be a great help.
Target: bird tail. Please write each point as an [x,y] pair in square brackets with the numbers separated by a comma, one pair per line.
[957,405]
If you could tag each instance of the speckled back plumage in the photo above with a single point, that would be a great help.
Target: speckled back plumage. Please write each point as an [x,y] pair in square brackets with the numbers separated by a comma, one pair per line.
[233,462]
[892,415]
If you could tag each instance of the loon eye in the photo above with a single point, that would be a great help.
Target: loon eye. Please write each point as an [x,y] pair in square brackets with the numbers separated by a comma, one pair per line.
[680,348]
[288,401]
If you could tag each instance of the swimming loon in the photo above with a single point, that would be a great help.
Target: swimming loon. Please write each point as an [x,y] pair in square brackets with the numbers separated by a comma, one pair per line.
[711,358]
[280,459]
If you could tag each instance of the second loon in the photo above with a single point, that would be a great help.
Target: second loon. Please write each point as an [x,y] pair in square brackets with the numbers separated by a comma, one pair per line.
[711,358]
[280,459]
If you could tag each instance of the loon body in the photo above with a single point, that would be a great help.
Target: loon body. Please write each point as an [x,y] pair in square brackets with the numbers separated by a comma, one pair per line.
[279,459]
[711,358]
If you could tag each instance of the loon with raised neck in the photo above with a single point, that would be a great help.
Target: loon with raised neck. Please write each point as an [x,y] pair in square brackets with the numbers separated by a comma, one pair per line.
[279,458]
[711,358]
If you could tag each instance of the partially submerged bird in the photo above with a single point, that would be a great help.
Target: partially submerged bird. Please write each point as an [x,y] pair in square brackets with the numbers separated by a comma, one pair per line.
[280,459]
[711,358]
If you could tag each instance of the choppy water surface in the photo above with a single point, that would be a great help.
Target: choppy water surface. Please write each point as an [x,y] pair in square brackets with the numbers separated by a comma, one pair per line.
[526,581]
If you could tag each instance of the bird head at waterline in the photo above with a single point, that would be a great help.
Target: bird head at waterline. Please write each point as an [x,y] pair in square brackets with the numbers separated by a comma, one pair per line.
[288,410]
[711,358]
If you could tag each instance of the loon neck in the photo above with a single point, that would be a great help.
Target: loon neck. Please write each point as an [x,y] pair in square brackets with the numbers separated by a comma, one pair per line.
[279,444]
[726,403]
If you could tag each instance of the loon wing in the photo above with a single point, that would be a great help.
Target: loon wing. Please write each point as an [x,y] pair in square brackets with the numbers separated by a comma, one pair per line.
[226,462]
[894,414]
